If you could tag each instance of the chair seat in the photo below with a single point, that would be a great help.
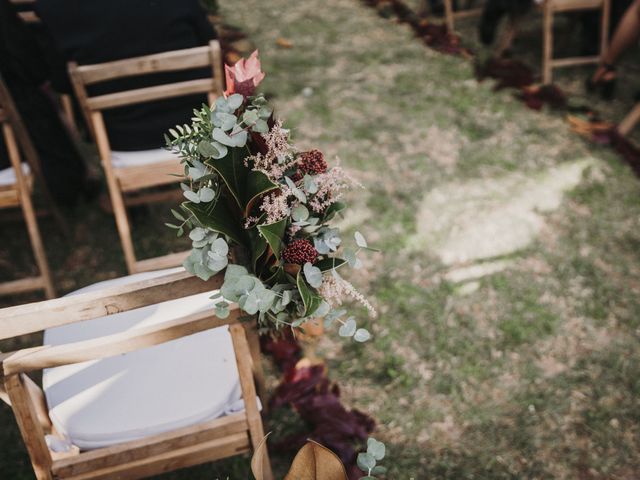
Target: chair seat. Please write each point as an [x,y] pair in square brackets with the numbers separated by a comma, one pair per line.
[121,159]
[158,389]
[8,175]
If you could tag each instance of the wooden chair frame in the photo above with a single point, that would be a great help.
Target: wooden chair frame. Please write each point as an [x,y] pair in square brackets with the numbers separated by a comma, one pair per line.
[123,181]
[549,9]
[630,121]
[19,195]
[208,441]
[452,15]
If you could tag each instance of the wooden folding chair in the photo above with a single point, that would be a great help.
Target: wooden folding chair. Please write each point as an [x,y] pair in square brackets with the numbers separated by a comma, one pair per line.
[452,15]
[174,448]
[126,180]
[16,192]
[630,121]
[549,9]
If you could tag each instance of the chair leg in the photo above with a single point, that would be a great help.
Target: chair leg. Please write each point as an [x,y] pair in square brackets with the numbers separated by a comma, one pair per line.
[117,200]
[604,26]
[28,212]
[547,55]
[630,121]
[243,360]
[251,330]
[448,9]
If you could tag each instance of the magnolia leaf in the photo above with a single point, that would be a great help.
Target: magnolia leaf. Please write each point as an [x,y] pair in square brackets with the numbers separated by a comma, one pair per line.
[361,335]
[330,263]
[348,329]
[315,462]
[313,275]
[310,299]
[273,234]
[219,218]
[260,460]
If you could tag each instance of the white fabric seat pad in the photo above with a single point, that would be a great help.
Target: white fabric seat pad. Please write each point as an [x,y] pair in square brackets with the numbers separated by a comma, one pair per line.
[120,159]
[154,390]
[8,175]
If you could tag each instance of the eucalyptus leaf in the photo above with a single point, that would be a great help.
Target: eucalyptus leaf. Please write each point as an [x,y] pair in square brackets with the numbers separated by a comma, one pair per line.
[206,195]
[366,461]
[376,448]
[360,240]
[361,335]
[191,196]
[234,101]
[299,213]
[348,329]
[313,275]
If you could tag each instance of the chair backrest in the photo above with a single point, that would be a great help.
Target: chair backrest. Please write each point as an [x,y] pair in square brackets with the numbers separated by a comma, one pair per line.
[83,76]
[140,458]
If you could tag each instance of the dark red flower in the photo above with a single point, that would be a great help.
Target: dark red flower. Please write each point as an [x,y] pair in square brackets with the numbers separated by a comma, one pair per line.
[300,252]
[313,162]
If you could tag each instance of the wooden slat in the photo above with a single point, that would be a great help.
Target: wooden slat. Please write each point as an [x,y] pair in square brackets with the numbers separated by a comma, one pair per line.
[574,61]
[572,5]
[30,428]
[141,95]
[29,17]
[472,12]
[158,263]
[47,356]
[22,285]
[231,445]
[35,317]
[9,198]
[151,446]
[150,175]
[159,62]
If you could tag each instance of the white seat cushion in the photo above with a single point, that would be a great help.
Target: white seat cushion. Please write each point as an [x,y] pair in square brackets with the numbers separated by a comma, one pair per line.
[8,175]
[150,391]
[142,157]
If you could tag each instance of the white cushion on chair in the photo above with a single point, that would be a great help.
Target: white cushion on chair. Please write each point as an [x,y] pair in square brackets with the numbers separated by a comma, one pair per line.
[8,175]
[146,392]
[142,157]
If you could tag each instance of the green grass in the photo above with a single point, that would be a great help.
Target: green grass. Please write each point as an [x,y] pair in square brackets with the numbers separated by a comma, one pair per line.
[533,371]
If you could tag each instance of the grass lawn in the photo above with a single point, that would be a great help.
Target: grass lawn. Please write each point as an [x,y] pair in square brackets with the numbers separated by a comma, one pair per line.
[508,341]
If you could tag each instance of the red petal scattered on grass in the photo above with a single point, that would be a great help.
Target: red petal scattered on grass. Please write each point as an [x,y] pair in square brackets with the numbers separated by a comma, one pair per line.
[307,389]
[507,72]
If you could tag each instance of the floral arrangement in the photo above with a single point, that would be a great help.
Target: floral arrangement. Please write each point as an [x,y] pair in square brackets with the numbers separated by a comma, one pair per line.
[260,210]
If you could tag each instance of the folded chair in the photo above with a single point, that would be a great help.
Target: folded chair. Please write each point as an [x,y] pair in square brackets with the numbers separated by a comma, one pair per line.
[139,378]
[549,9]
[131,172]
[16,184]
[26,10]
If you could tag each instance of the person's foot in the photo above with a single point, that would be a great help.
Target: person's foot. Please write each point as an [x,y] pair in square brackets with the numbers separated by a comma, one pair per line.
[603,81]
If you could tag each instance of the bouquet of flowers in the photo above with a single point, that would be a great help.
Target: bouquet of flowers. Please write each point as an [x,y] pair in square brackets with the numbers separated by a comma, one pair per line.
[262,211]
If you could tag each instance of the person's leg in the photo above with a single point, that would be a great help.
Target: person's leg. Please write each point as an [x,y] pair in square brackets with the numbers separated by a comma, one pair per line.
[63,168]
[626,35]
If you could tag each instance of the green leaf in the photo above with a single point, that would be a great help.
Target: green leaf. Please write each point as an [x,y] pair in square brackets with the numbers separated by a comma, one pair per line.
[360,240]
[244,184]
[333,209]
[361,335]
[219,218]
[299,213]
[312,274]
[273,234]
[366,462]
[330,263]
[310,299]
[257,246]
[376,448]
[348,329]
[234,101]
